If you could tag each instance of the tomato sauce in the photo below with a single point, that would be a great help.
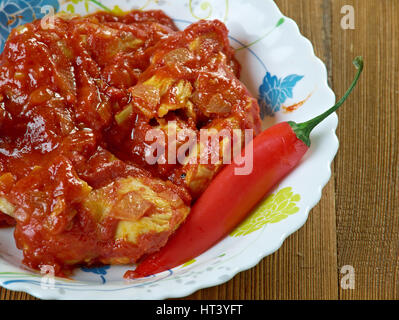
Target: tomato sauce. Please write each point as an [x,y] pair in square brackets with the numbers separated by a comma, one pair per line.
[75,104]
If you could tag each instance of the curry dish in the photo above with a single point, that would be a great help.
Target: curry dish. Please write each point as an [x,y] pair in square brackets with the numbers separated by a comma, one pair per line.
[76,102]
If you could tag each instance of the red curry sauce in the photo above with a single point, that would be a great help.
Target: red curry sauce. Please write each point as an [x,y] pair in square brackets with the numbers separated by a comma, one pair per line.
[75,104]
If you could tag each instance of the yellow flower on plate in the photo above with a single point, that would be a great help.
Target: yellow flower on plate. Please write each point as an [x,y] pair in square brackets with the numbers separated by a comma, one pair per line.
[275,208]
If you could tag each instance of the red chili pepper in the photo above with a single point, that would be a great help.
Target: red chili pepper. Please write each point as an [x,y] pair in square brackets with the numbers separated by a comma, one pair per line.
[230,197]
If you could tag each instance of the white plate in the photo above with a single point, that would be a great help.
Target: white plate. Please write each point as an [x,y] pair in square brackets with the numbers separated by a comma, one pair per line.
[279,66]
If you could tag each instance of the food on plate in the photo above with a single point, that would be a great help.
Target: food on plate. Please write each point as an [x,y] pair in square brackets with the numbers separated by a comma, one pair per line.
[76,102]
[276,151]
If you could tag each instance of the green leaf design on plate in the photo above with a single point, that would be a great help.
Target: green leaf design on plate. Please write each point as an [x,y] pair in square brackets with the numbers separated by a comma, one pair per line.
[278,24]
[275,208]
[21,274]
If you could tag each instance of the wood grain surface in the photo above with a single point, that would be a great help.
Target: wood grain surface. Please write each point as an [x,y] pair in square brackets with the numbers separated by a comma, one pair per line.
[356,222]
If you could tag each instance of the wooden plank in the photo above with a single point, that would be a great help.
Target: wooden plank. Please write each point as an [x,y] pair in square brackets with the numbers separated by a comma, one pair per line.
[14,295]
[366,167]
[306,265]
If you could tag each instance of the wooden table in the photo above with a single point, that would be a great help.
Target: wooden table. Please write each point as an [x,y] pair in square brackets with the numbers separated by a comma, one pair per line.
[356,222]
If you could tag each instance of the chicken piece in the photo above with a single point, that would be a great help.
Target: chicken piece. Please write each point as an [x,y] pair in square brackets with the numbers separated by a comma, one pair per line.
[63,222]
[147,212]
[176,64]
[192,77]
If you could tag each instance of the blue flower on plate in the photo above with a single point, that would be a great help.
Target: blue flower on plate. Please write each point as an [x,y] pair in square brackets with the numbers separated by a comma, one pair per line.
[274,91]
[102,271]
[14,13]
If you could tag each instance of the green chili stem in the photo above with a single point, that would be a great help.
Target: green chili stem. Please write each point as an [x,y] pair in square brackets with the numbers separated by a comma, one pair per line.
[303,130]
